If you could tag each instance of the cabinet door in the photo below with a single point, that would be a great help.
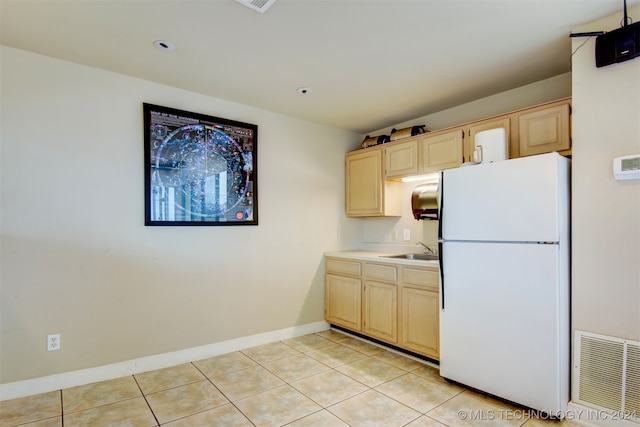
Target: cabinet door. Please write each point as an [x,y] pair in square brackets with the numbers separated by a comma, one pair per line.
[442,151]
[544,131]
[364,182]
[401,159]
[343,301]
[420,325]
[367,194]
[381,310]
[472,130]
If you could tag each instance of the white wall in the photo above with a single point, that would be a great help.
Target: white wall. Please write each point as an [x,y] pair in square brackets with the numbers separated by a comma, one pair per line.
[606,212]
[77,259]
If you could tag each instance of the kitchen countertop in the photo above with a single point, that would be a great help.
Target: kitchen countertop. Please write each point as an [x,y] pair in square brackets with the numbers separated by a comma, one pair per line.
[380,257]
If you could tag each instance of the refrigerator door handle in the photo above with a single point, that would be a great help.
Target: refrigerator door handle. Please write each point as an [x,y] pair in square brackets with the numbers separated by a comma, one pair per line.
[440,205]
[440,245]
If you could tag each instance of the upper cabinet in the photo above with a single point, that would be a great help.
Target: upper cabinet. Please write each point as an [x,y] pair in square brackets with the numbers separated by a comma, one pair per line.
[472,129]
[401,159]
[373,174]
[543,129]
[367,193]
[441,150]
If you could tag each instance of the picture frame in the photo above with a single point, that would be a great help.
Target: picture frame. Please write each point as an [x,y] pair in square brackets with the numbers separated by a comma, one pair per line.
[199,169]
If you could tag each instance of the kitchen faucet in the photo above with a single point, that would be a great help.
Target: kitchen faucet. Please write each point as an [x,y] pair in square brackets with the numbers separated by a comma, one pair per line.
[427,249]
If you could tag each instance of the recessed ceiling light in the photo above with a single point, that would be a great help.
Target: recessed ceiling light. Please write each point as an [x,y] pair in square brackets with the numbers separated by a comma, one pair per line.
[164,45]
[304,90]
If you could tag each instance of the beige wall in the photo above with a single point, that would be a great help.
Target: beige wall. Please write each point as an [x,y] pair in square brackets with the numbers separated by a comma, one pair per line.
[76,258]
[606,212]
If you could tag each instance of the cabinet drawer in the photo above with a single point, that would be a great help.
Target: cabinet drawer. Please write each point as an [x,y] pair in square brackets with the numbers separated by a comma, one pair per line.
[382,272]
[340,266]
[420,276]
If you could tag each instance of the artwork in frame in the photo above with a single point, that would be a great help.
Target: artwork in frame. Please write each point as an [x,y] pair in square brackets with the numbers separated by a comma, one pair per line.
[199,169]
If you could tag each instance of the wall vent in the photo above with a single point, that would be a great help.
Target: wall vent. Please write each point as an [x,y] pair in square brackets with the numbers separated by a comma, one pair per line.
[259,5]
[606,374]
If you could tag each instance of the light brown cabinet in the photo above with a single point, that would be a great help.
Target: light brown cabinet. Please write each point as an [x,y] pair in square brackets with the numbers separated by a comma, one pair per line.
[401,159]
[536,130]
[373,174]
[544,129]
[398,304]
[419,311]
[380,302]
[442,150]
[343,293]
[489,124]
[367,193]
[424,154]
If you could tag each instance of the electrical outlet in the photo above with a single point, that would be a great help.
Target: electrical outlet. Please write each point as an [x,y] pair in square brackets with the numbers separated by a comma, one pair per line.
[407,234]
[394,235]
[53,342]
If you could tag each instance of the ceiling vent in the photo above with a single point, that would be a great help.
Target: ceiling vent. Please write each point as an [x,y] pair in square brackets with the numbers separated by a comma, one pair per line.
[259,5]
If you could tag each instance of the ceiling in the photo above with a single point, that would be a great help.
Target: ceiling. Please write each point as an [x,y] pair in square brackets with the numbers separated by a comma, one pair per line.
[370,64]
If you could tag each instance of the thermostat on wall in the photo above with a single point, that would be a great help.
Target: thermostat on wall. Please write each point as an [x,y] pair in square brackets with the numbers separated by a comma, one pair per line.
[627,167]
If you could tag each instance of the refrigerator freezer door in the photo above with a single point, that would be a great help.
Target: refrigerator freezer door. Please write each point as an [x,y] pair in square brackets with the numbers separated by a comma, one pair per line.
[504,328]
[524,199]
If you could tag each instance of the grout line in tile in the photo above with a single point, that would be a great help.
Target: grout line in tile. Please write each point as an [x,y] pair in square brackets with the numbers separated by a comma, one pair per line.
[240,410]
[339,401]
[336,415]
[61,408]
[144,396]
[217,388]
[442,403]
[171,388]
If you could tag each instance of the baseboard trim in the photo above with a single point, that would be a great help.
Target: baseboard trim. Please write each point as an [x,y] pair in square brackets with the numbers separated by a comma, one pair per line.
[135,366]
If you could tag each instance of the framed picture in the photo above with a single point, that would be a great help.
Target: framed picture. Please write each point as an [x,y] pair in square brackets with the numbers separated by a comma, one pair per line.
[199,170]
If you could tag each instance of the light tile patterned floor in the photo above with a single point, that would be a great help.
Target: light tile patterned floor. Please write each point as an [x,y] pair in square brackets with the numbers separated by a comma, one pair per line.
[323,379]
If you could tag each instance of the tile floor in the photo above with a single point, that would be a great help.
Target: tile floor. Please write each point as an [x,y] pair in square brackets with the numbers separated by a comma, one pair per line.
[322,379]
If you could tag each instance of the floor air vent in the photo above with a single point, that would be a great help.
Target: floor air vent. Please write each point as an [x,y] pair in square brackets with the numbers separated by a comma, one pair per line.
[259,5]
[607,374]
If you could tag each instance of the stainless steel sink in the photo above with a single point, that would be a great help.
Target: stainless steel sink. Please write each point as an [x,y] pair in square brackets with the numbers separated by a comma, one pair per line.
[423,257]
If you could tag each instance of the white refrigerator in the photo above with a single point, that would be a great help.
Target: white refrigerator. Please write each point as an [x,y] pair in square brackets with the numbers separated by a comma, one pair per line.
[504,290]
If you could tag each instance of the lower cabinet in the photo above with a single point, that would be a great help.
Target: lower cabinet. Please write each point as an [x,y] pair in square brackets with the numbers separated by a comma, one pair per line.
[381,311]
[393,303]
[343,293]
[420,311]
[420,326]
